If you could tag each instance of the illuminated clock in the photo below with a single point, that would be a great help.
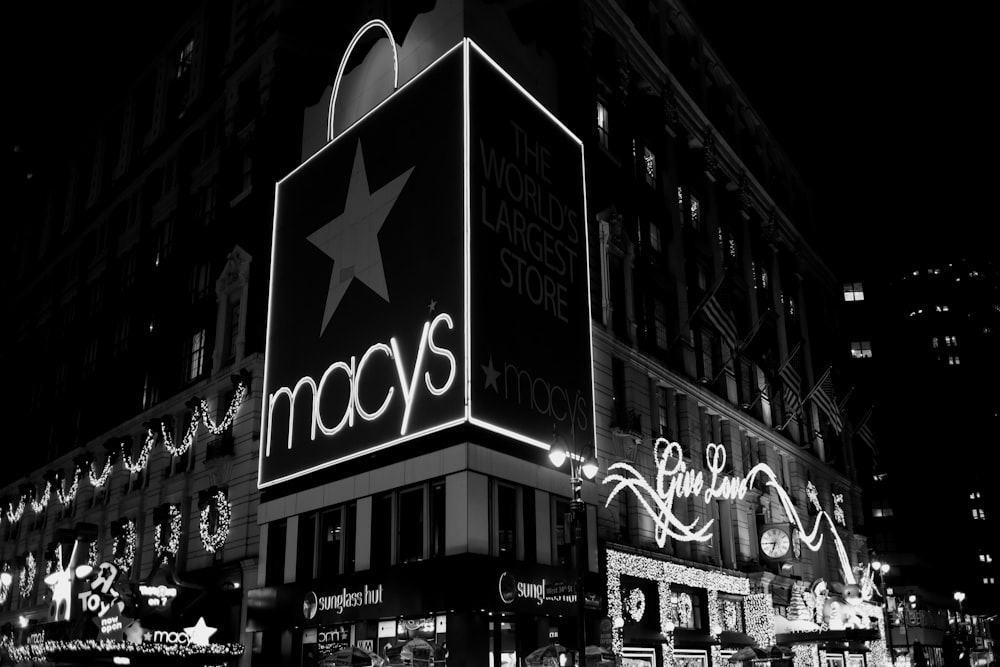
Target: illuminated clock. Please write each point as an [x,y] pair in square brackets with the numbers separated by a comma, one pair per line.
[775,542]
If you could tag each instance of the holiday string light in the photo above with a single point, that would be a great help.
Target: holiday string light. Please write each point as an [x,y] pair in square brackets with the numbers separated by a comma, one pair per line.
[54,564]
[77,650]
[214,540]
[165,551]
[635,605]
[98,481]
[123,546]
[93,554]
[69,496]
[838,511]
[805,655]
[42,502]
[200,414]
[758,610]
[14,515]
[813,494]
[27,575]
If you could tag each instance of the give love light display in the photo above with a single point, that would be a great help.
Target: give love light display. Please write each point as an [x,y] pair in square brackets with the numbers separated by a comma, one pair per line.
[675,479]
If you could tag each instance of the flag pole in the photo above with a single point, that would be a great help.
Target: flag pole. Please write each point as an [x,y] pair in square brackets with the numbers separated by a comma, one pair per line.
[701,304]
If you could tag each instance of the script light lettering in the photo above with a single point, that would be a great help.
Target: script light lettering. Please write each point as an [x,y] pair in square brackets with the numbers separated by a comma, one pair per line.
[353,372]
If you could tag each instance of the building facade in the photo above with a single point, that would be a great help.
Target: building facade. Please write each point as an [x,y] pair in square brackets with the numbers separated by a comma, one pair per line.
[561,227]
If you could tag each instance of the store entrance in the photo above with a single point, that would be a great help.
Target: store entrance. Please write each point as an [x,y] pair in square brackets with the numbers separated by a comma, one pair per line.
[518,640]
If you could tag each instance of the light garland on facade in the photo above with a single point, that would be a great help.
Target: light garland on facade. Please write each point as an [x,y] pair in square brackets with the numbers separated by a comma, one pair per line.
[14,514]
[49,650]
[66,497]
[169,549]
[805,655]
[54,564]
[838,510]
[27,575]
[97,481]
[213,541]
[42,502]
[93,554]
[635,605]
[123,546]
[200,414]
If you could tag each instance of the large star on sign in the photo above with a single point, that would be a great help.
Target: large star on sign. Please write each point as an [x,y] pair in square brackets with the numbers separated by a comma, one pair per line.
[351,239]
[199,633]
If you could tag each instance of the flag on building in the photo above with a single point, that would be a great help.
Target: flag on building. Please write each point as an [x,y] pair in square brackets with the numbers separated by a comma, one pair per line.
[716,312]
[826,400]
[791,382]
[864,431]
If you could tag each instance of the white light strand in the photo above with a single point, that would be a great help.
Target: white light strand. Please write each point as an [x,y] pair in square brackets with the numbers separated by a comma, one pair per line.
[189,434]
[42,502]
[838,510]
[93,554]
[14,515]
[27,575]
[813,494]
[234,405]
[213,541]
[123,547]
[54,651]
[758,612]
[98,481]
[139,464]
[164,552]
[66,497]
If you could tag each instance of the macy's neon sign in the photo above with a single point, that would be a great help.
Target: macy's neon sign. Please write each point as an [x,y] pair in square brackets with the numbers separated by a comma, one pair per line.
[353,372]
[674,479]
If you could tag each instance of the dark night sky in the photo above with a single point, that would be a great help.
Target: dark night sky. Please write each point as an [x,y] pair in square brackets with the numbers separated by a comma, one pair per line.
[883,108]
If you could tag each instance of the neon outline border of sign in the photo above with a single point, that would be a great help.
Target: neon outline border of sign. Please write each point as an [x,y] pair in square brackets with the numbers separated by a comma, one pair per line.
[466,44]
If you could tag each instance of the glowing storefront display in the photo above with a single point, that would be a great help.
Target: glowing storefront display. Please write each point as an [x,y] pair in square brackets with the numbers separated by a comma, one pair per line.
[407,256]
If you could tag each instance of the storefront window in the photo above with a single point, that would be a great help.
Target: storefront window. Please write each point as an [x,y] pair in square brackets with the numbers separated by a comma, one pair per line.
[331,537]
[411,525]
[505,514]
[382,531]
[438,502]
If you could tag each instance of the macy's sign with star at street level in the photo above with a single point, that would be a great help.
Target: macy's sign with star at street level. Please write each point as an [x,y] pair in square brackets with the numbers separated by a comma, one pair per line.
[417,260]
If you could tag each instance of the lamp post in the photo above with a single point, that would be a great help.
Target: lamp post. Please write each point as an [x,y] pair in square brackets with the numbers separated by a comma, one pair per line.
[587,468]
[881,569]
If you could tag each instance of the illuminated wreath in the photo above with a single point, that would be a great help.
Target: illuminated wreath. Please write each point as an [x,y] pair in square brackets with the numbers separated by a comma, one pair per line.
[214,540]
[27,578]
[635,605]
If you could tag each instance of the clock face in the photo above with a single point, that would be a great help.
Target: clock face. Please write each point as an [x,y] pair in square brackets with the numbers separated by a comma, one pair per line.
[774,542]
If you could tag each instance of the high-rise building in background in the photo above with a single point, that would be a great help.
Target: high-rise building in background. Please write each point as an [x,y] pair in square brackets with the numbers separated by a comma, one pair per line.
[317,415]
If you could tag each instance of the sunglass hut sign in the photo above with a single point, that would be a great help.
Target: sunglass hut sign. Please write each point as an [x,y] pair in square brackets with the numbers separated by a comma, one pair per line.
[406,275]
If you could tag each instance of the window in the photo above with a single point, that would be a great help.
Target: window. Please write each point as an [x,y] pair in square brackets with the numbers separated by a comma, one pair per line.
[603,127]
[196,356]
[934,342]
[128,269]
[185,59]
[660,323]
[853,292]
[164,241]
[204,207]
[437,528]
[411,525]
[654,237]
[650,166]
[988,580]
[121,334]
[506,505]
[861,349]
[233,322]
[663,404]
[199,281]
[985,558]
[90,357]
[951,341]
[382,531]
[150,391]
[274,572]
[695,210]
[978,513]
[954,360]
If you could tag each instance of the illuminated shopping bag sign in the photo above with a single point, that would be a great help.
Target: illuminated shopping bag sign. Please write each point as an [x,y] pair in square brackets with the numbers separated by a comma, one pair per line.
[429,268]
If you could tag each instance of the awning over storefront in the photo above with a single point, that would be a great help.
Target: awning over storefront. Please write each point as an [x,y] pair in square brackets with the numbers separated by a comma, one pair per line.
[859,635]
[733,639]
[692,638]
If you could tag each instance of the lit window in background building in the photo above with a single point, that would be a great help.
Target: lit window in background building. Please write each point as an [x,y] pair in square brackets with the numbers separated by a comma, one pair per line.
[954,360]
[861,349]
[603,131]
[934,342]
[951,341]
[854,292]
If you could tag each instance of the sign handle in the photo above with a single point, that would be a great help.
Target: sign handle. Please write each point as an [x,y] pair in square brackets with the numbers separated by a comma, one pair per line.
[374,23]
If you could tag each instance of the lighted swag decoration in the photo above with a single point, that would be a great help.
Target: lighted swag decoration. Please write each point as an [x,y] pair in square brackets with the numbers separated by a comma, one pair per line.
[157,430]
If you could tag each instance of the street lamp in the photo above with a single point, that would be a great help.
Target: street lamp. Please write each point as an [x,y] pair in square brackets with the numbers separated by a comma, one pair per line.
[587,467]
[960,598]
[882,569]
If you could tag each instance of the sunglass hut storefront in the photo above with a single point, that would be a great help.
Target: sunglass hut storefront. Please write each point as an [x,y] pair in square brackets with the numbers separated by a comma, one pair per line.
[408,508]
